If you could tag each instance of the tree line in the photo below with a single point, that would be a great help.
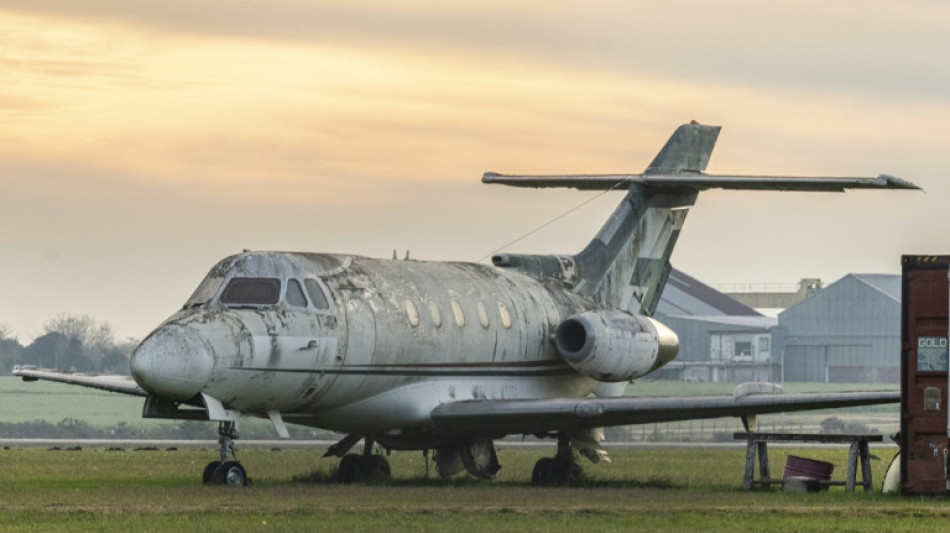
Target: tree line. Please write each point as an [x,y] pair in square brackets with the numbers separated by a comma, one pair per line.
[69,342]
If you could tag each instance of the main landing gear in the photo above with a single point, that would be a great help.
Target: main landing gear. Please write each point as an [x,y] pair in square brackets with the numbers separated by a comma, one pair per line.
[356,467]
[226,472]
[560,470]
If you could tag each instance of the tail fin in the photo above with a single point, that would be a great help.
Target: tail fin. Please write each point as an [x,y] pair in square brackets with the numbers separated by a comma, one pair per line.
[627,264]
[688,150]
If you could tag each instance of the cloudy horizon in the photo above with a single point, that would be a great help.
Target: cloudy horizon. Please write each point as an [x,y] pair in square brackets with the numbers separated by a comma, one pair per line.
[145,141]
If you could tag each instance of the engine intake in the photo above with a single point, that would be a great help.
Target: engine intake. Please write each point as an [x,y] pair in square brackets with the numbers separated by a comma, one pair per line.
[614,345]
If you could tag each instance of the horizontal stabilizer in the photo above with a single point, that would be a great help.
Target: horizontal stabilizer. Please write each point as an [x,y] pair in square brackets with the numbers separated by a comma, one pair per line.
[698,182]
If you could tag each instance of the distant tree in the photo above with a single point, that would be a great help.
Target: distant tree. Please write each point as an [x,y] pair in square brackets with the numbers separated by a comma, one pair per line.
[115,360]
[92,345]
[11,354]
[6,332]
[47,351]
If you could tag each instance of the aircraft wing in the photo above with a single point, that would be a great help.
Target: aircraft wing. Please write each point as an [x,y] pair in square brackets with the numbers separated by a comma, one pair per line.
[699,182]
[541,416]
[109,382]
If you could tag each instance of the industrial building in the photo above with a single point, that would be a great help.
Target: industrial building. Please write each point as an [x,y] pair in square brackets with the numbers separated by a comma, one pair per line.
[846,332]
[720,338]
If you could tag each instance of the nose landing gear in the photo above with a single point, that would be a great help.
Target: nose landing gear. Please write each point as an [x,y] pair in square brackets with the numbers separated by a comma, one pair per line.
[225,472]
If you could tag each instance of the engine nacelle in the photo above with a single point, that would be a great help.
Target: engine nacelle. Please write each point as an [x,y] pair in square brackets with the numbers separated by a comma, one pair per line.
[614,345]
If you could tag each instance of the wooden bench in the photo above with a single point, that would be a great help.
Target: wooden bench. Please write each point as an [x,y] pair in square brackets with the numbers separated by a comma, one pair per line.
[758,443]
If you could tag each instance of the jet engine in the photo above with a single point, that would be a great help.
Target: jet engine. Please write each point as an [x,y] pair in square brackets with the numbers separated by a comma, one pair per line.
[614,345]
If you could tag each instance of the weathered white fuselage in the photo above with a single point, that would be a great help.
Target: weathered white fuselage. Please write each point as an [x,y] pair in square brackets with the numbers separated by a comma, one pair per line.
[361,345]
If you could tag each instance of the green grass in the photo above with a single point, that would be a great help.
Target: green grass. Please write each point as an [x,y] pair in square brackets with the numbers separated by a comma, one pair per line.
[650,490]
[43,400]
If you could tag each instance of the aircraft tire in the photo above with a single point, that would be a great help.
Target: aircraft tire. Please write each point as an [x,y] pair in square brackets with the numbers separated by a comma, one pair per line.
[566,472]
[233,474]
[376,467]
[543,472]
[207,477]
[350,469]
[556,472]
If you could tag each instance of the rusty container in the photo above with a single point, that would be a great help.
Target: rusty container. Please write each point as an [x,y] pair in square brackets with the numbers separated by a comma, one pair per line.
[925,305]
[796,466]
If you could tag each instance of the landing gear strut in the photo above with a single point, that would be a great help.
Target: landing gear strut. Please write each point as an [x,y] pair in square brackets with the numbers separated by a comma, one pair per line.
[226,472]
[362,467]
[560,470]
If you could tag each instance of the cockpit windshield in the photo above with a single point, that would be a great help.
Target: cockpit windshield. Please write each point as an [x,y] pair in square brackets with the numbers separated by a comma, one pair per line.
[251,291]
[205,292]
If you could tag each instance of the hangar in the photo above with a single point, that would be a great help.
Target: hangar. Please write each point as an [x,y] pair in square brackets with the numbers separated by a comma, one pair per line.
[720,338]
[846,332]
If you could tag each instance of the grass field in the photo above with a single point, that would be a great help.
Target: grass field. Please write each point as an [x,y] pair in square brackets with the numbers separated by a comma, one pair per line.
[648,490]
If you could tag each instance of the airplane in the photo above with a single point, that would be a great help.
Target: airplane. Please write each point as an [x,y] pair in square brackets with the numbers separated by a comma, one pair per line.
[450,356]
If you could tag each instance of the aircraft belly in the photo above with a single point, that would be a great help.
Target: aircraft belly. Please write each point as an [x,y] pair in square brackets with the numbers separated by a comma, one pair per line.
[409,406]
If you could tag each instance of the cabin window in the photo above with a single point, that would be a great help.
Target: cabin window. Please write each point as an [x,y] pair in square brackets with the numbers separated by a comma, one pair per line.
[482,314]
[251,291]
[457,311]
[295,295]
[317,296]
[434,314]
[412,313]
[505,315]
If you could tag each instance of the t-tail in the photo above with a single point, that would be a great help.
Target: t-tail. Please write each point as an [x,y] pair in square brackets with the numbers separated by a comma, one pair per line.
[627,263]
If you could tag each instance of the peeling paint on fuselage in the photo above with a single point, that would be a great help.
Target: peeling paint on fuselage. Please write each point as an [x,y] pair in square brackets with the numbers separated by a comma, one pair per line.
[362,366]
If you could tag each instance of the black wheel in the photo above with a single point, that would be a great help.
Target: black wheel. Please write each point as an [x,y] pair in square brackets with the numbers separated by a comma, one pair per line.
[566,472]
[208,474]
[350,469]
[232,474]
[376,467]
[542,473]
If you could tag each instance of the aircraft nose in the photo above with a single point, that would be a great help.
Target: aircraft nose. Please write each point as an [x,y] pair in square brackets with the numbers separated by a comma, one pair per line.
[173,362]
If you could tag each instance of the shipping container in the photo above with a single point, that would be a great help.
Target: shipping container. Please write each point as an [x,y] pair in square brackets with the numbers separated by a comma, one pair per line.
[925,427]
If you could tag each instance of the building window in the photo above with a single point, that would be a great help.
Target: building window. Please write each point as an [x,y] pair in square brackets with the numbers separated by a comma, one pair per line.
[744,348]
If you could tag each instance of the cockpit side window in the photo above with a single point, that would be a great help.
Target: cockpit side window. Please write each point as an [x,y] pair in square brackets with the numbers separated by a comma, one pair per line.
[316,293]
[251,291]
[295,295]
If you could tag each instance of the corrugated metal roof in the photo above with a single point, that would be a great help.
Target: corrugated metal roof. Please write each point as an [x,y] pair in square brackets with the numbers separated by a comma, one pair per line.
[761,321]
[889,284]
[686,295]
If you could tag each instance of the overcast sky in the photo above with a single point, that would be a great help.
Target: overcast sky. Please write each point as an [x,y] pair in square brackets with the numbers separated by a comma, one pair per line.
[143,141]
